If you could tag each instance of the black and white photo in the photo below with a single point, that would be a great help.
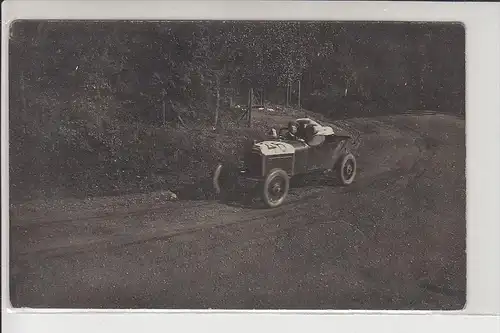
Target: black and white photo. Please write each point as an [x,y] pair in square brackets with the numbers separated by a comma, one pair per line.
[237,165]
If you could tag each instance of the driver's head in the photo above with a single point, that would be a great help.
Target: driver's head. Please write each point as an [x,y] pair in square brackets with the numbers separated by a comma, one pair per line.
[293,127]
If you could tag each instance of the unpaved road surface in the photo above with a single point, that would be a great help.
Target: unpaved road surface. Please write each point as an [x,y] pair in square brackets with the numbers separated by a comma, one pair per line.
[393,240]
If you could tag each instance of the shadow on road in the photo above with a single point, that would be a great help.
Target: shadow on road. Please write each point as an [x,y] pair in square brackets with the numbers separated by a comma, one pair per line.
[248,196]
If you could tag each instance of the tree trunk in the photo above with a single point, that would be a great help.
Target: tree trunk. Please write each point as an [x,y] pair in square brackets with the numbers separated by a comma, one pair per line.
[164,112]
[299,96]
[347,85]
[423,69]
[250,106]
[287,93]
[310,86]
[217,98]
[263,98]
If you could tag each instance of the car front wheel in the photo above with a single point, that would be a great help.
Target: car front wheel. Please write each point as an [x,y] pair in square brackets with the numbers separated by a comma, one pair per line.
[225,179]
[275,189]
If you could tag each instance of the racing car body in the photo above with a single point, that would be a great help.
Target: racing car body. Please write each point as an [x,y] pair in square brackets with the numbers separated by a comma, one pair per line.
[272,163]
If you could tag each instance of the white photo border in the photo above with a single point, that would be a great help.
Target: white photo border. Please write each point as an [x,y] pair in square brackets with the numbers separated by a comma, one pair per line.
[482,26]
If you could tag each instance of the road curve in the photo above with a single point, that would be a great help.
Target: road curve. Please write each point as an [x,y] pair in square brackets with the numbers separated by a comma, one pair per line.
[393,240]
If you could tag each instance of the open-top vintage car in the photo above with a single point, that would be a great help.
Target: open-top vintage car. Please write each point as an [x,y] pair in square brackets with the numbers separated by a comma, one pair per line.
[272,163]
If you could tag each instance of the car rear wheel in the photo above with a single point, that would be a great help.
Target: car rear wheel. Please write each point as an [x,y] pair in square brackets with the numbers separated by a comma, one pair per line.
[347,169]
[275,189]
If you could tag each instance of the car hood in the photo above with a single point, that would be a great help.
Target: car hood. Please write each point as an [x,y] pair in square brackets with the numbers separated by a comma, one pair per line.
[274,147]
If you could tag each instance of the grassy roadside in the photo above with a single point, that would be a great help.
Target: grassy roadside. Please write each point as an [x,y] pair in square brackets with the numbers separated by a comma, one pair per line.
[134,159]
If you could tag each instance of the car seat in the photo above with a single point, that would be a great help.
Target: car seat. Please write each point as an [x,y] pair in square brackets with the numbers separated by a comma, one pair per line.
[312,137]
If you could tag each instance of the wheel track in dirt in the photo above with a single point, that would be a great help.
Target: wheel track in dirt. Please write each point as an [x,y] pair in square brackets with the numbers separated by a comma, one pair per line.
[96,217]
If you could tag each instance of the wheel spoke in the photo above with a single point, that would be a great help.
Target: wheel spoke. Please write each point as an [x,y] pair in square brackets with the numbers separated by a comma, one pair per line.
[276,188]
[348,169]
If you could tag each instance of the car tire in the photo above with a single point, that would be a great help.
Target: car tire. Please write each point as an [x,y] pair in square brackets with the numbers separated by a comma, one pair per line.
[275,188]
[346,169]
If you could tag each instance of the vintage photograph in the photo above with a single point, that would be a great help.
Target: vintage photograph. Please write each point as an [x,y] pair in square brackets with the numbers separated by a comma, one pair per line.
[237,165]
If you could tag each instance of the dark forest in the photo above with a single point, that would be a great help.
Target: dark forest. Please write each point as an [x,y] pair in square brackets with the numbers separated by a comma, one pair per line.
[98,108]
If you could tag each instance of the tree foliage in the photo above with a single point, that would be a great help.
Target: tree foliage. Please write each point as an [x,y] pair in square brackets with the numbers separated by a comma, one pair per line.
[86,91]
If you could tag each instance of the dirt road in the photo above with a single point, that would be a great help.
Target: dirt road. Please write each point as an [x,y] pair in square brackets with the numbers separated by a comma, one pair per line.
[394,240]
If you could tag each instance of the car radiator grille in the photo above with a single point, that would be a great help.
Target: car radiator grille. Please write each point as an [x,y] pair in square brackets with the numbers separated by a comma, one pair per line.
[253,164]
